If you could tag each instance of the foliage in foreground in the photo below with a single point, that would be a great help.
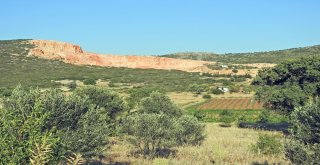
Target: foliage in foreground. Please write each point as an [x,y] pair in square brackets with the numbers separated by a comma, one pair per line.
[45,127]
[289,84]
[160,125]
[303,146]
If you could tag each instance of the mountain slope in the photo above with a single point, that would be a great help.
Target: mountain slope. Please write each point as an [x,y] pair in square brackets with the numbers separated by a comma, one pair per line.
[18,67]
[255,57]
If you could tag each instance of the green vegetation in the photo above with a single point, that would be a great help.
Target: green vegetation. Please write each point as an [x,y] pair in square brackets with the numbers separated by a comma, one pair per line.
[251,116]
[303,146]
[206,96]
[89,81]
[293,87]
[256,57]
[50,125]
[289,84]
[268,145]
[16,67]
[160,125]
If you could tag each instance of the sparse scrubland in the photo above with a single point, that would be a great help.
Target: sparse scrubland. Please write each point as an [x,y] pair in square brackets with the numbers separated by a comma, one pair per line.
[88,114]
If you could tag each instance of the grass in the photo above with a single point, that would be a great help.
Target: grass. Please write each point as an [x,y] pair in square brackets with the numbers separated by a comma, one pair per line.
[222,145]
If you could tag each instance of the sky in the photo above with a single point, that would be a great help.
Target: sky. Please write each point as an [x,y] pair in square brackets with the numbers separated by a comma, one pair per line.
[155,27]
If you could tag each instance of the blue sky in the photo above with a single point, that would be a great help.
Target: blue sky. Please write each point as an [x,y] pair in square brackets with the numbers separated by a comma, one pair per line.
[152,27]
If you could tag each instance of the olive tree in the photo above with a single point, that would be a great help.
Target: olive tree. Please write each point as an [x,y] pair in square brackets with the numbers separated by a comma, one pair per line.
[61,123]
[304,143]
[160,125]
[289,84]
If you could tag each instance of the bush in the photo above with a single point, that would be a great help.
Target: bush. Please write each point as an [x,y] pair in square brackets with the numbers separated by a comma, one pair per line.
[44,127]
[21,128]
[159,103]
[153,133]
[200,115]
[5,92]
[160,125]
[226,117]
[136,94]
[234,70]
[197,89]
[264,116]
[103,98]
[72,85]
[268,145]
[206,96]
[234,89]
[89,82]
[303,146]
[216,91]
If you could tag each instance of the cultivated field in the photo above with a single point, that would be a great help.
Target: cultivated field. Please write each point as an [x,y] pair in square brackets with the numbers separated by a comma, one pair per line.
[231,104]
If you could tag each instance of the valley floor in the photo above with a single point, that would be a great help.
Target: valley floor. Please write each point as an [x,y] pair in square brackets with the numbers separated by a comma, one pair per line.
[221,146]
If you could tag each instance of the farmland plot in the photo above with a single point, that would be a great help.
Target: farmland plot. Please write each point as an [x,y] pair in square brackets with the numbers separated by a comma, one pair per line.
[231,104]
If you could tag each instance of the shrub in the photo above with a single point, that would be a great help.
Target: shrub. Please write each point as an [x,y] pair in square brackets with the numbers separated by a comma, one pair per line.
[5,92]
[136,94]
[226,117]
[89,82]
[200,115]
[160,125]
[21,128]
[197,89]
[268,145]
[234,89]
[234,70]
[72,85]
[153,133]
[264,116]
[190,131]
[43,127]
[103,98]
[206,96]
[216,91]
[159,103]
[303,146]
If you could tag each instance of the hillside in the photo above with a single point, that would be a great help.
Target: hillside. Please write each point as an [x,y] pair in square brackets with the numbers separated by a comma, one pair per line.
[74,54]
[17,66]
[254,57]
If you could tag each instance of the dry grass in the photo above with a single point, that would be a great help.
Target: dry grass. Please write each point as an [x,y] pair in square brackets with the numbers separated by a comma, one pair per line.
[185,99]
[222,146]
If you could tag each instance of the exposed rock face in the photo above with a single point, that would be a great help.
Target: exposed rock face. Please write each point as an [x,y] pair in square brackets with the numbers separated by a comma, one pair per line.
[73,54]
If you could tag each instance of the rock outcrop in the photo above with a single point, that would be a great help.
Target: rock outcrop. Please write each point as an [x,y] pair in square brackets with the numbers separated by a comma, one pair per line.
[73,54]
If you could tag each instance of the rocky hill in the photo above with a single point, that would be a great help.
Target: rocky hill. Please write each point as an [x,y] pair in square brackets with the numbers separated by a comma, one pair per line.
[74,54]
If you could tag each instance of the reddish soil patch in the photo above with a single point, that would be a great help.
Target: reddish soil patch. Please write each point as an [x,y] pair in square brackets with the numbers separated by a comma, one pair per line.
[231,104]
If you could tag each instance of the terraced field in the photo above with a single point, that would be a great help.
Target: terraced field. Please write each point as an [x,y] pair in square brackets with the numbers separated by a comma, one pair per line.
[231,104]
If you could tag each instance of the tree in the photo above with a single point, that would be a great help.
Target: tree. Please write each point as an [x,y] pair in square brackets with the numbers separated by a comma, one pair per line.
[89,81]
[21,128]
[103,98]
[160,125]
[197,89]
[234,89]
[303,146]
[159,103]
[289,84]
[216,91]
[33,123]
[136,94]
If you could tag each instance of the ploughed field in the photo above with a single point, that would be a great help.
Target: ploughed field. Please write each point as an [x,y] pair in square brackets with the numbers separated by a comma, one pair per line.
[245,103]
